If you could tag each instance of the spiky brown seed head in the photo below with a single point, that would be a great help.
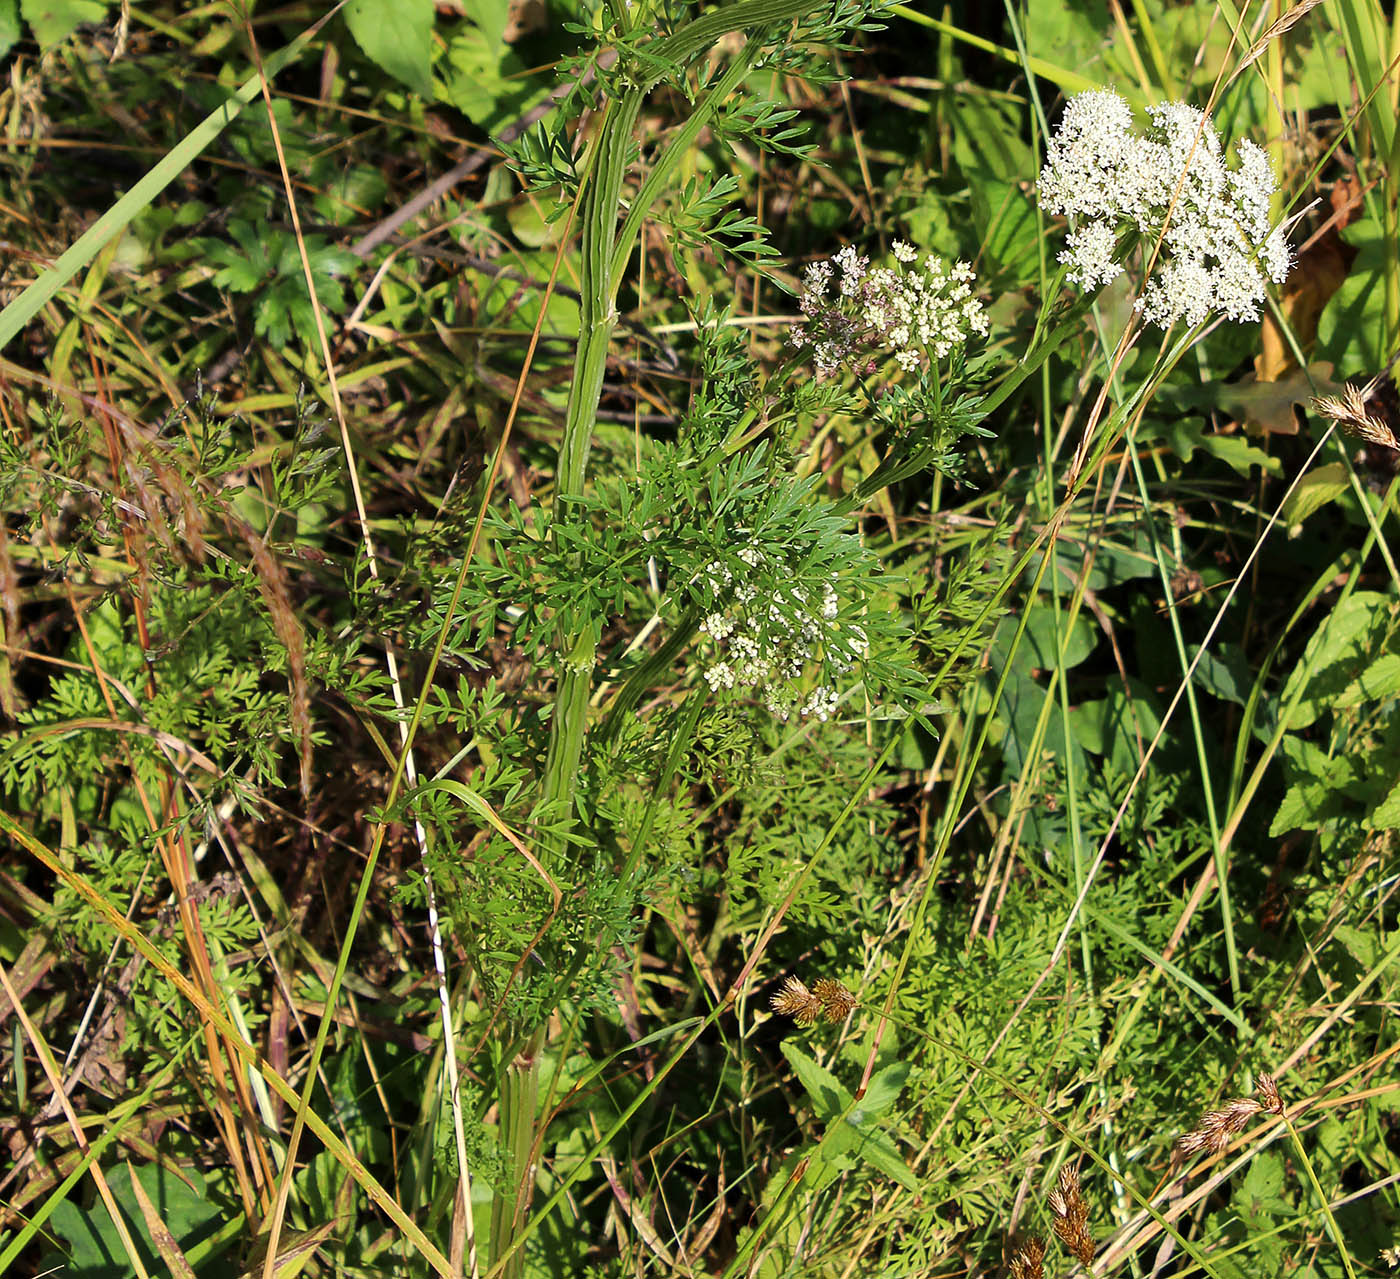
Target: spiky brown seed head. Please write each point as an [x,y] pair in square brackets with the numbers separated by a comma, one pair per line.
[797,1002]
[1266,1089]
[836,1001]
[1026,1260]
[1351,412]
[1070,1214]
[1217,1128]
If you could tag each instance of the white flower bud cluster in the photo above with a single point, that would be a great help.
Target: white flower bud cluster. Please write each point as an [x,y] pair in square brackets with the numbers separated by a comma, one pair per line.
[911,313]
[765,636]
[1217,247]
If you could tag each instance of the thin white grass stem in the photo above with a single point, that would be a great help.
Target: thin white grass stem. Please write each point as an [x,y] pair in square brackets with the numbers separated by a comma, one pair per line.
[1167,715]
[410,769]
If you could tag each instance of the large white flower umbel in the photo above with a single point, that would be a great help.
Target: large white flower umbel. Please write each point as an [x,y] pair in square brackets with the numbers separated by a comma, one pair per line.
[1168,183]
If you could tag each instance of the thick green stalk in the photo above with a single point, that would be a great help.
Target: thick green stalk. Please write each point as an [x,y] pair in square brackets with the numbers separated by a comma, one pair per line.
[520,1084]
[520,1077]
[604,254]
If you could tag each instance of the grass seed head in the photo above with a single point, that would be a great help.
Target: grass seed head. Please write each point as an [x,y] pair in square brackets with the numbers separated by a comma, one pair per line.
[1071,1216]
[1217,1128]
[1350,412]
[797,1002]
[1027,1259]
[828,999]
[837,1003]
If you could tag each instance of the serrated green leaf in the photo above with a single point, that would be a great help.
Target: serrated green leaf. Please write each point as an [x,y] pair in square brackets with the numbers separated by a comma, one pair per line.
[1381,679]
[1318,785]
[1339,646]
[239,274]
[852,1127]
[484,83]
[1386,814]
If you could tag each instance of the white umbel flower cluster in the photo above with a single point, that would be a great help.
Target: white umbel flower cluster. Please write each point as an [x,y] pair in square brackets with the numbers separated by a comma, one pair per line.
[764,638]
[1218,247]
[914,314]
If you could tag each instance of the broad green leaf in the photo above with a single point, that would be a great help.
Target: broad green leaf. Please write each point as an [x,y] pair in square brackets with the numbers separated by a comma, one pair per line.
[9,25]
[1314,491]
[1381,679]
[1264,1179]
[53,21]
[1069,34]
[1007,224]
[1114,562]
[1335,656]
[828,1095]
[988,141]
[486,84]
[852,1128]
[1361,944]
[1225,675]
[156,1230]
[1271,408]
[885,1087]
[1351,329]
[1046,644]
[1236,452]
[1118,726]
[492,16]
[398,35]
[1386,814]
[857,1136]
[529,224]
[95,1250]
[1318,783]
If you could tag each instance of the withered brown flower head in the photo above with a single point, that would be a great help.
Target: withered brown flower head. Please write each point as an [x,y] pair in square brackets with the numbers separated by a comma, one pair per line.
[837,1002]
[797,1002]
[1267,1089]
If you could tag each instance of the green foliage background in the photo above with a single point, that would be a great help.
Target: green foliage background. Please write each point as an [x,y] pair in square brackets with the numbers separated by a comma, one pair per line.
[1102,828]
